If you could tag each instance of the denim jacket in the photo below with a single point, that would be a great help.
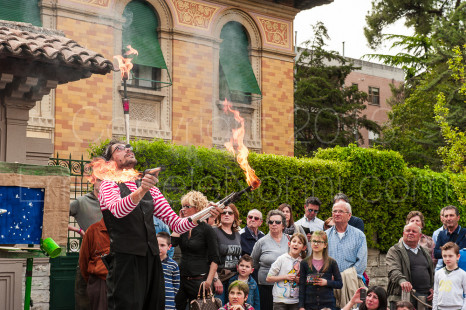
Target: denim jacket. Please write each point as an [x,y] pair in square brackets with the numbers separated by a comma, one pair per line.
[253,297]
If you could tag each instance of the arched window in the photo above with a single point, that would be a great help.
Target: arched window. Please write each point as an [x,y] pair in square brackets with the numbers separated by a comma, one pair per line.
[26,11]
[237,81]
[140,31]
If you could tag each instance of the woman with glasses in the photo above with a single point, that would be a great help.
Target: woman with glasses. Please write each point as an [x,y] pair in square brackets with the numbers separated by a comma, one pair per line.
[291,227]
[265,253]
[200,258]
[229,246]
[319,276]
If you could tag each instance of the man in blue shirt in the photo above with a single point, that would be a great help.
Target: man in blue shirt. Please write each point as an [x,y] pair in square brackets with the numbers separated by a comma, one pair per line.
[347,245]
[353,221]
[453,231]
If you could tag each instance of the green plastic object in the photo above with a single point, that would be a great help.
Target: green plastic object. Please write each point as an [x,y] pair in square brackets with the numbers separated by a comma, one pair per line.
[49,246]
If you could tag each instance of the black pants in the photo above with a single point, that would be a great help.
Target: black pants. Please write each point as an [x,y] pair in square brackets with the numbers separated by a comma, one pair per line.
[188,291]
[135,282]
[265,296]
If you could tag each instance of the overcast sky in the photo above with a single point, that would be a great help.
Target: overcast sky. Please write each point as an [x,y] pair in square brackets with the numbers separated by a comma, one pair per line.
[345,21]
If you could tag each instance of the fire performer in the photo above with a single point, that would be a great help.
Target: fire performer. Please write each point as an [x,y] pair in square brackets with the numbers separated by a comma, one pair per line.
[135,279]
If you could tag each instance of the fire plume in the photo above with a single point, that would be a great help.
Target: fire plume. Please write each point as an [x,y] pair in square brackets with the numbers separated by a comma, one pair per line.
[125,64]
[236,140]
[108,170]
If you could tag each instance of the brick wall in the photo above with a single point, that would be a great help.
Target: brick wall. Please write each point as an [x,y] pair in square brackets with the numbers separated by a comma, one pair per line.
[83,109]
[192,93]
[277,107]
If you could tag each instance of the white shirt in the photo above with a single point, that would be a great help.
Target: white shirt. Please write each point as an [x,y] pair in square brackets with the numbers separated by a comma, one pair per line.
[313,225]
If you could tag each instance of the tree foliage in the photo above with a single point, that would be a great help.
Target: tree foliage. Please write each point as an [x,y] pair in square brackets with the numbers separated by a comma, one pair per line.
[327,113]
[453,154]
[419,14]
[411,129]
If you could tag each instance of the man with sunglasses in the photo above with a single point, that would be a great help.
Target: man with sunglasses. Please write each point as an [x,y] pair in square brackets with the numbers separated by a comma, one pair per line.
[310,221]
[251,233]
[135,276]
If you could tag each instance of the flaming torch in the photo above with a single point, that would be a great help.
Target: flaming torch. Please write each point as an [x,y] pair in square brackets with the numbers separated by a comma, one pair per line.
[125,66]
[235,145]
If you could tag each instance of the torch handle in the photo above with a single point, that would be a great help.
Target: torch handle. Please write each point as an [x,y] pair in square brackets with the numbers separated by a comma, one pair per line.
[205,214]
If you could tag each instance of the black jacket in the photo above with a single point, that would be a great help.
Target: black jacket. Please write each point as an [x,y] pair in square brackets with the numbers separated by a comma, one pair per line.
[135,232]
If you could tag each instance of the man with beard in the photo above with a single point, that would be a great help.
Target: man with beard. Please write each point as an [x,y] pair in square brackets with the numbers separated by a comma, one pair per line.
[135,277]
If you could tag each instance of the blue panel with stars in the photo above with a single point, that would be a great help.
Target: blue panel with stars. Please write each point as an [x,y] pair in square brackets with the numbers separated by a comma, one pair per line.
[21,222]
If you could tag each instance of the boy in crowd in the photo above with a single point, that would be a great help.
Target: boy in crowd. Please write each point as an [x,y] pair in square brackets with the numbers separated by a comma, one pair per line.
[245,271]
[170,270]
[237,295]
[450,281]
[404,305]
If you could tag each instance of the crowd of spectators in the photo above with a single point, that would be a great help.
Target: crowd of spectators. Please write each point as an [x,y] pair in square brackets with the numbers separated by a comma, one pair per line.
[308,264]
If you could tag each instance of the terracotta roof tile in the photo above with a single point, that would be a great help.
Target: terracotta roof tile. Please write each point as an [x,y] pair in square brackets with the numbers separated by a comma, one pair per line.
[27,41]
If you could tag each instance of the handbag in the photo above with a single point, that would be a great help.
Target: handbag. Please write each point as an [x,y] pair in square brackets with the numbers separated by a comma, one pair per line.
[205,300]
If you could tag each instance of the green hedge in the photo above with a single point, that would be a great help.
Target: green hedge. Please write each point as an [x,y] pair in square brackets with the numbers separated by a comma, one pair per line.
[382,189]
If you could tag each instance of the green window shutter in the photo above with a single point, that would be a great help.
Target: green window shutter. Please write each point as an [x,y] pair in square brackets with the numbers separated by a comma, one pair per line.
[26,11]
[140,31]
[234,59]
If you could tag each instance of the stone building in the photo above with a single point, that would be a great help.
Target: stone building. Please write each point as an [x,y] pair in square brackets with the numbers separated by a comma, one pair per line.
[192,54]
[375,80]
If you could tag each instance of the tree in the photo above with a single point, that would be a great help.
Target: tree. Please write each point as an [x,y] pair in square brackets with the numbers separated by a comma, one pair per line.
[453,154]
[412,130]
[419,14]
[327,113]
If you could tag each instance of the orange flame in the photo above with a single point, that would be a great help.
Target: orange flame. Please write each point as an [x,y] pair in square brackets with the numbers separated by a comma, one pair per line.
[125,64]
[237,139]
[108,170]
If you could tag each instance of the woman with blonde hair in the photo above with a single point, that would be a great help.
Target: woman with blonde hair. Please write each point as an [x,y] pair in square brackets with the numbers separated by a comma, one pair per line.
[200,258]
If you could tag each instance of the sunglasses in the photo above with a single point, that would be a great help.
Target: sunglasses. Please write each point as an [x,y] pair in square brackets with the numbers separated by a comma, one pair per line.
[275,222]
[312,210]
[228,212]
[317,242]
[256,218]
[122,148]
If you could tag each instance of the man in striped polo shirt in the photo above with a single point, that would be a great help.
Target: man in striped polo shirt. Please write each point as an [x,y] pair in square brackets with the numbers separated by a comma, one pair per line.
[135,279]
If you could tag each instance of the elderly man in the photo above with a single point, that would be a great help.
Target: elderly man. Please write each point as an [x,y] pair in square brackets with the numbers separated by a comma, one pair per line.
[347,245]
[135,278]
[409,267]
[251,233]
[310,219]
[354,221]
[453,231]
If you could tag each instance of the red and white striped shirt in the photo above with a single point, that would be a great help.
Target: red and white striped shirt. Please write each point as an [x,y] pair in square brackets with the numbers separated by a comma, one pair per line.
[110,199]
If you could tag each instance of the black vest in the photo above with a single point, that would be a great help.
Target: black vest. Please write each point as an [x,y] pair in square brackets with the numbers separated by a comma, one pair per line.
[135,232]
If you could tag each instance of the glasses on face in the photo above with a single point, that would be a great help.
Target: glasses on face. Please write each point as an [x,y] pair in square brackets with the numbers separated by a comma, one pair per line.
[317,242]
[312,210]
[339,211]
[228,212]
[275,222]
[122,148]
[256,218]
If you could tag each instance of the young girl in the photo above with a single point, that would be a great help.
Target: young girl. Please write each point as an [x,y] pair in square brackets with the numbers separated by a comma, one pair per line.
[237,295]
[316,284]
[285,273]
